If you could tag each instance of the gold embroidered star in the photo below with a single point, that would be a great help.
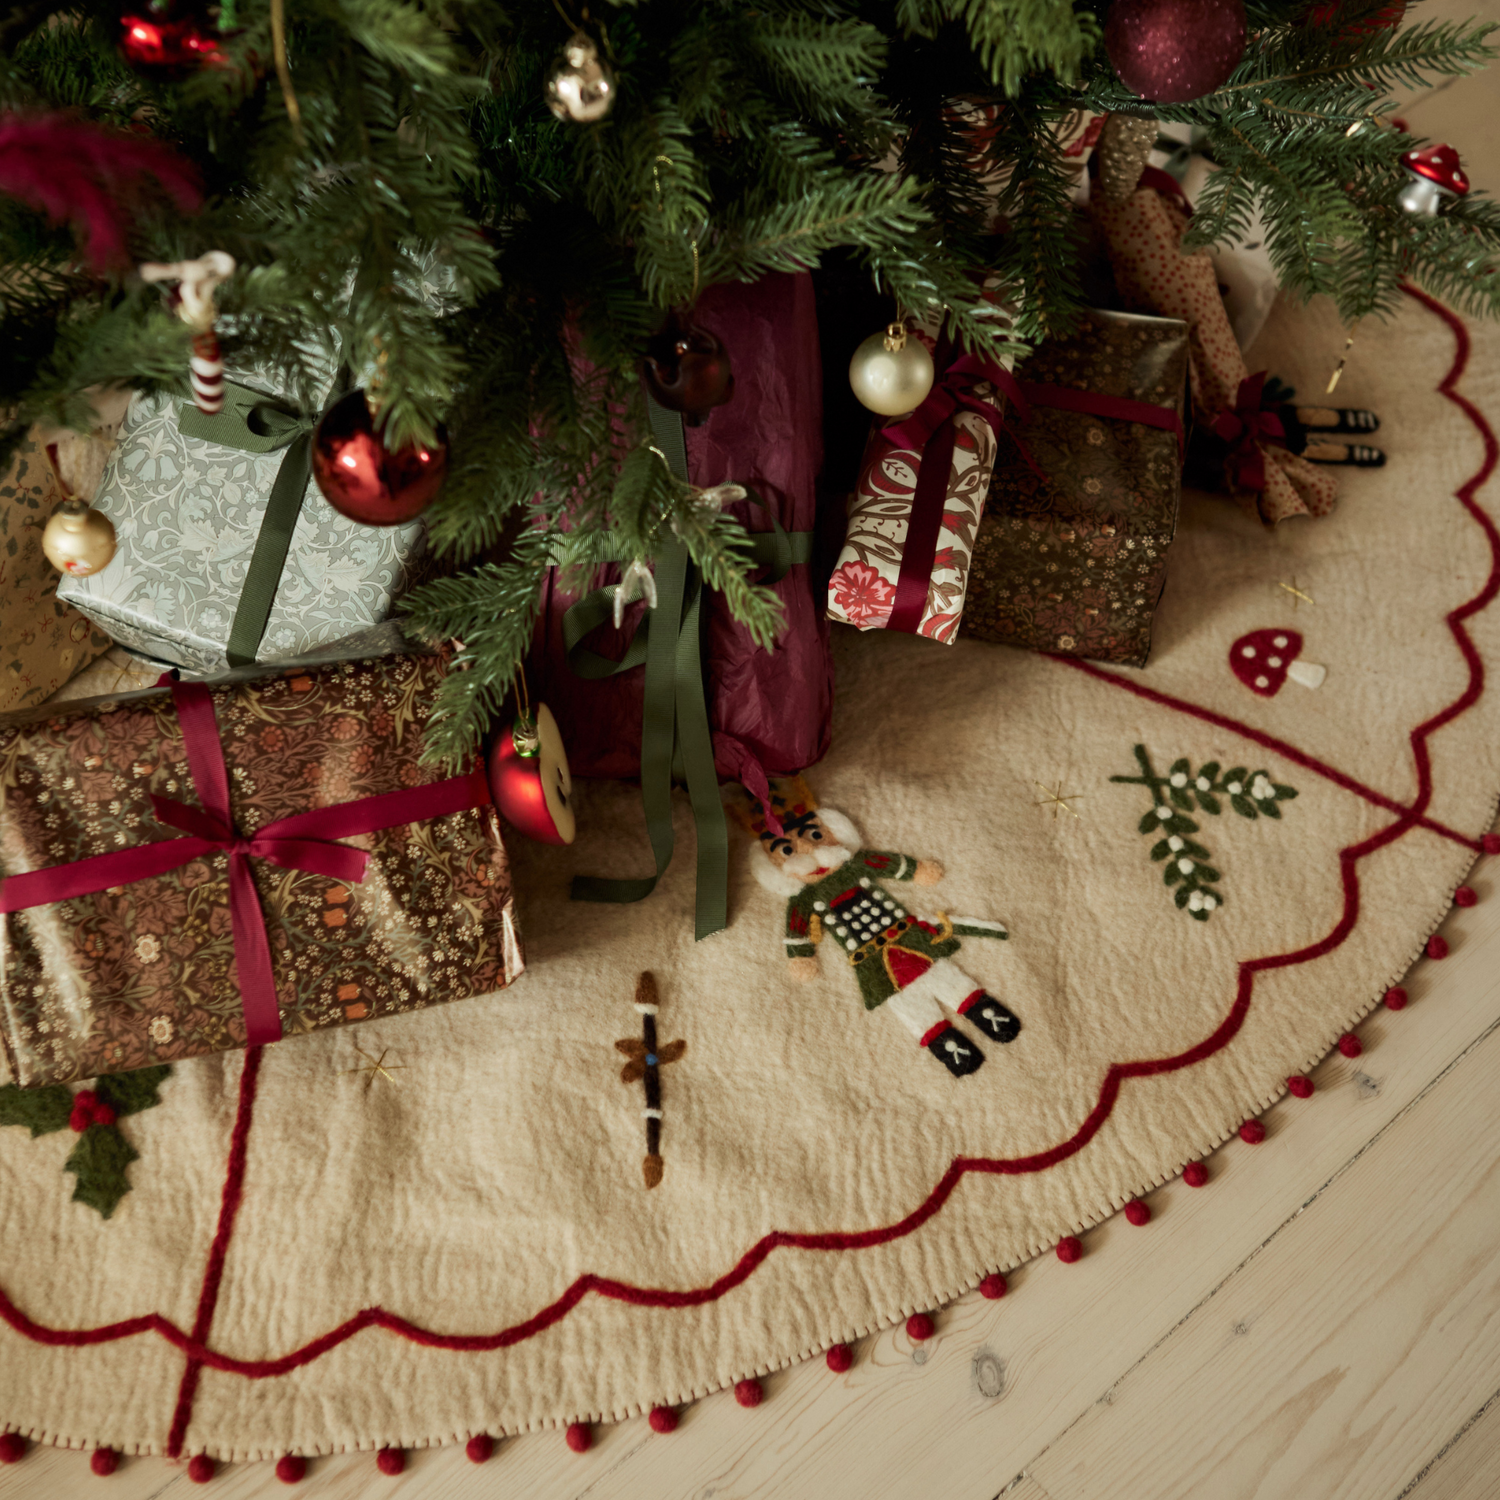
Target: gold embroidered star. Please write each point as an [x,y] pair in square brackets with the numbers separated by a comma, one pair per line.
[1296,592]
[376,1065]
[1057,799]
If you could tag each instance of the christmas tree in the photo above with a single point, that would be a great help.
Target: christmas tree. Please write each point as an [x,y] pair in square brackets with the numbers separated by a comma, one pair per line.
[398,194]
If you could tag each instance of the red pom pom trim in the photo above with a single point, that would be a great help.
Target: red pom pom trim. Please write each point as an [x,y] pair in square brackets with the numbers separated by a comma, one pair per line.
[663,1419]
[580,1437]
[920,1327]
[104,1462]
[1465,895]
[1300,1085]
[201,1468]
[291,1468]
[1437,946]
[993,1287]
[1252,1132]
[1396,998]
[1350,1045]
[1195,1174]
[748,1392]
[840,1358]
[12,1447]
[1137,1212]
[390,1460]
[1069,1249]
[480,1448]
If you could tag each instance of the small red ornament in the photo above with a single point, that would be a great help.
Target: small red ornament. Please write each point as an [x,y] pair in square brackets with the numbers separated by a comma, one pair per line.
[663,1419]
[920,1327]
[687,368]
[1195,1174]
[291,1468]
[529,779]
[201,1468]
[1252,1132]
[1137,1213]
[1069,1249]
[1396,998]
[104,1462]
[1435,174]
[480,1448]
[1465,896]
[1170,51]
[1300,1086]
[1437,946]
[993,1287]
[362,479]
[1350,1045]
[390,1460]
[748,1392]
[166,47]
[580,1436]
[840,1357]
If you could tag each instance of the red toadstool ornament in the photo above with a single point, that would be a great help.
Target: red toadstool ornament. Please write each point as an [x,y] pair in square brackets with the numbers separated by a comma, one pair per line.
[529,778]
[1435,174]
[1264,659]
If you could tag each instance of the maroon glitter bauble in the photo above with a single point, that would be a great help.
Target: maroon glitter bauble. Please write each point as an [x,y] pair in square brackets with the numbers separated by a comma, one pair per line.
[1170,51]
[687,368]
[360,478]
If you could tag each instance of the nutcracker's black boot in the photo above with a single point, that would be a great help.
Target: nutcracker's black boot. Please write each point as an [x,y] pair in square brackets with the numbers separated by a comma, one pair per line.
[992,1018]
[955,1051]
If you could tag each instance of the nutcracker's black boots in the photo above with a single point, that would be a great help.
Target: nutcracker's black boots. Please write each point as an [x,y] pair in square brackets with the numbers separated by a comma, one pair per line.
[955,1051]
[993,1019]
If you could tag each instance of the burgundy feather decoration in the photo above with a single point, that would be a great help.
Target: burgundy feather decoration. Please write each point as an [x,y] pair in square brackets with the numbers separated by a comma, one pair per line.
[86,175]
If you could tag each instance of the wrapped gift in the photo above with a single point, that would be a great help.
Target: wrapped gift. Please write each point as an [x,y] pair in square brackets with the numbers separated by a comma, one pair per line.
[1072,551]
[226,552]
[43,641]
[913,517]
[196,867]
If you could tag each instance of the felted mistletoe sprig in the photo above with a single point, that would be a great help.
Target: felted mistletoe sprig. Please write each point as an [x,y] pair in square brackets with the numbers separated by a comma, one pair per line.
[102,1154]
[1252,794]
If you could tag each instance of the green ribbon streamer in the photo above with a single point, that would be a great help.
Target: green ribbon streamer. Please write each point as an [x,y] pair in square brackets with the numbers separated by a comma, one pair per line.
[256,424]
[675,735]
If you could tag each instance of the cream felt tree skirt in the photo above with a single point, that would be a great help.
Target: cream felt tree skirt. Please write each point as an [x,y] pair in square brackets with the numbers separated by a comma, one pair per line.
[315,1256]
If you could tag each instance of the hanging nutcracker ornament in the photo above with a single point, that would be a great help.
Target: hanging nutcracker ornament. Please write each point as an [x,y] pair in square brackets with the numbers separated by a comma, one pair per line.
[892,372]
[197,281]
[581,87]
[527,768]
[77,539]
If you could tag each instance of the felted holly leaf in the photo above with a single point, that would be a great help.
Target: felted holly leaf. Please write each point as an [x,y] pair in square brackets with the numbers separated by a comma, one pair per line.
[129,1093]
[1182,897]
[1198,916]
[1239,774]
[1172,874]
[1209,772]
[1284,793]
[1209,803]
[1196,850]
[1150,823]
[1180,798]
[1161,849]
[1268,808]
[1180,768]
[99,1160]
[41,1110]
[1243,806]
[1207,874]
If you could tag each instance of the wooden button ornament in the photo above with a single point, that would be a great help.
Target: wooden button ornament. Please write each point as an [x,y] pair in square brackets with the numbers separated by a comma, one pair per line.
[363,479]
[1264,659]
[529,779]
[687,368]
[582,87]
[892,372]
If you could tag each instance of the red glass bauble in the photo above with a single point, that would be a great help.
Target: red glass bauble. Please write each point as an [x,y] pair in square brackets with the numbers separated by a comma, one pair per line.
[360,478]
[165,46]
[528,774]
[687,368]
[1170,51]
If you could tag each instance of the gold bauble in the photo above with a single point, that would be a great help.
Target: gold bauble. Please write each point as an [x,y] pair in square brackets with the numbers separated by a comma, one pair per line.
[78,539]
[891,372]
[581,87]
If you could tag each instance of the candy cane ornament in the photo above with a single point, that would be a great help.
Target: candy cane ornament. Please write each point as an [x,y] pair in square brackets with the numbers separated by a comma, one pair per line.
[197,281]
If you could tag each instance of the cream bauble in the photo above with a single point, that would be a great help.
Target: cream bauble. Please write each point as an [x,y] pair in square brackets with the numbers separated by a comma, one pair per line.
[581,88]
[78,540]
[892,372]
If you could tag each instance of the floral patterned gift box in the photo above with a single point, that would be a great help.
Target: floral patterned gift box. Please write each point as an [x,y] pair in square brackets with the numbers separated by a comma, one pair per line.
[188,513]
[158,847]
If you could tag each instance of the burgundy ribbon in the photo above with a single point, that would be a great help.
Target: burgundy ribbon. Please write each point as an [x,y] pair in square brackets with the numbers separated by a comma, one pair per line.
[1066,398]
[1245,428]
[304,841]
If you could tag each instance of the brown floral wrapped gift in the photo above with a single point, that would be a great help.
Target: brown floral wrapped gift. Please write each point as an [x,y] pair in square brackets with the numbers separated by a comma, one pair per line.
[1072,551]
[278,860]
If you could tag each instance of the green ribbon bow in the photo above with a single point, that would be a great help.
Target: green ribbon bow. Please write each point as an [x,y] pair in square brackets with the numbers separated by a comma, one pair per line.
[676,740]
[256,423]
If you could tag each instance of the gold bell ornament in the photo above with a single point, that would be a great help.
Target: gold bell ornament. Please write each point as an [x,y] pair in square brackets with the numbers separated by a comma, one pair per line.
[581,88]
[892,372]
[78,539]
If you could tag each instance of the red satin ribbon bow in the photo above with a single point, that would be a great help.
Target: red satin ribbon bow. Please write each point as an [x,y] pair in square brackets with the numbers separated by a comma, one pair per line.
[955,392]
[1246,427]
[304,841]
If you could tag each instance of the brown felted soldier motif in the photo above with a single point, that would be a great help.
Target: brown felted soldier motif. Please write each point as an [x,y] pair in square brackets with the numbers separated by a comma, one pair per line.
[834,891]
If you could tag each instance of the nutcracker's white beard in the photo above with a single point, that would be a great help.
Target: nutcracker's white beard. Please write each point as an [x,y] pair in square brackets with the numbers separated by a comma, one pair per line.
[789,878]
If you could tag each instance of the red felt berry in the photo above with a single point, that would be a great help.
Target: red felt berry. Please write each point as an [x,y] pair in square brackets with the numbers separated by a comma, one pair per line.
[1137,1213]
[1396,998]
[840,1358]
[1195,1174]
[920,1327]
[85,1098]
[103,1114]
[1350,1045]
[1069,1248]
[390,1460]
[1437,946]
[663,1419]
[748,1392]
[480,1448]
[291,1468]
[79,1119]
[1252,1132]
[104,1462]
[12,1447]
[201,1468]
[580,1436]
[993,1287]
[1491,843]
[1300,1086]
[1465,895]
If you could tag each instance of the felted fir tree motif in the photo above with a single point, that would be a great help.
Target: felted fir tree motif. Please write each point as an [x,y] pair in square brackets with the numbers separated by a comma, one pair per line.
[1252,794]
[102,1155]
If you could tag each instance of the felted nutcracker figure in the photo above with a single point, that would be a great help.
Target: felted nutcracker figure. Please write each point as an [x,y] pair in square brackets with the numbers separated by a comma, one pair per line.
[836,893]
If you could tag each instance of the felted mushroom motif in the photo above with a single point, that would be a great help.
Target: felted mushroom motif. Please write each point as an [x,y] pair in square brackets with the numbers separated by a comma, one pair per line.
[1264,659]
[1435,174]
